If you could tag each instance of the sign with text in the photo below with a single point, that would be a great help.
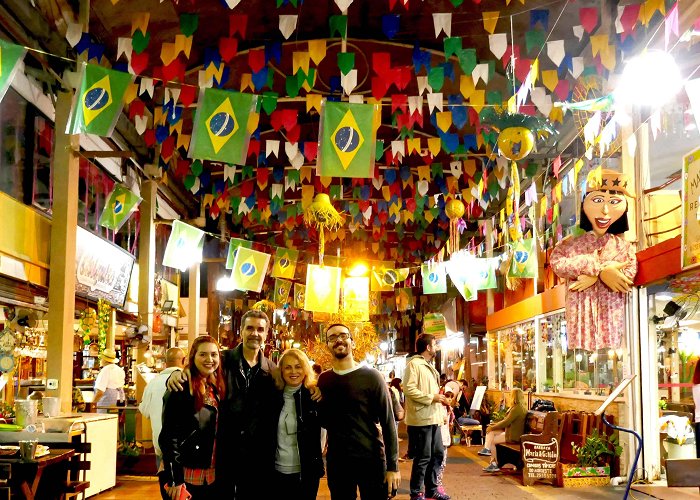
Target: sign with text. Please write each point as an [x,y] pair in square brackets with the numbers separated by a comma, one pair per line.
[540,460]
[102,270]
[690,256]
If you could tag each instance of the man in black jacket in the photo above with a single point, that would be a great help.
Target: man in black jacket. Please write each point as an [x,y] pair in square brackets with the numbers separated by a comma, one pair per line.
[245,443]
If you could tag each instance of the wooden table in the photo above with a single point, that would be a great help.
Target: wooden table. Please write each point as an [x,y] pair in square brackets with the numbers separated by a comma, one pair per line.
[26,476]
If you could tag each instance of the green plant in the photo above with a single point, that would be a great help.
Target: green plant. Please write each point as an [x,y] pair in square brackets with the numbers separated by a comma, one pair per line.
[662,404]
[596,449]
[498,415]
[132,449]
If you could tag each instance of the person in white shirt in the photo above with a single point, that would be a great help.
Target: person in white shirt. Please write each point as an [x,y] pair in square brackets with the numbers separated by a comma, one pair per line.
[151,405]
[109,384]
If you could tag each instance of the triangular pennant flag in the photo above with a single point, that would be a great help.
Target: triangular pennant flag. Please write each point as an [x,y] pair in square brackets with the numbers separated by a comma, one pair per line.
[221,126]
[120,204]
[463,276]
[98,103]
[348,140]
[285,263]
[10,56]
[434,278]
[184,246]
[249,269]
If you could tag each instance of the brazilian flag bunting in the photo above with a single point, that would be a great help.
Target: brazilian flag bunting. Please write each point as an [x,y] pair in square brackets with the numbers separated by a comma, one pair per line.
[463,278]
[299,295]
[120,205]
[282,289]
[487,273]
[249,269]
[384,279]
[10,56]
[220,130]
[347,140]
[99,101]
[524,261]
[232,247]
[434,278]
[184,246]
[285,263]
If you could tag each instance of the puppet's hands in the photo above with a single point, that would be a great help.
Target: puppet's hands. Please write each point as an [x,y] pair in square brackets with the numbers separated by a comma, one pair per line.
[613,277]
[583,282]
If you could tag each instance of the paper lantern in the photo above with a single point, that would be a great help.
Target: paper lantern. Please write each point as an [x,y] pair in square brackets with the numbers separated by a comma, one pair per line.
[454,209]
[322,216]
[515,143]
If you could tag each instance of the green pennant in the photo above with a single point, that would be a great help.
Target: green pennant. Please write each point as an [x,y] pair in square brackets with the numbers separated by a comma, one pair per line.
[436,78]
[452,46]
[99,101]
[493,187]
[494,97]
[354,209]
[269,101]
[436,170]
[293,176]
[120,204]
[456,3]
[346,62]
[188,24]
[233,245]
[196,168]
[338,25]
[467,60]
[292,85]
[534,40]
[379,154]
[247,171]
[220,129]
[140,41]
[347,139]
[10,56]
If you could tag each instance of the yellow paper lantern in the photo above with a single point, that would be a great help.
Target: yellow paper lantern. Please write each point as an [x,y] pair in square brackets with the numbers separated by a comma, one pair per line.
[515,143]
[322,216]
[454,209]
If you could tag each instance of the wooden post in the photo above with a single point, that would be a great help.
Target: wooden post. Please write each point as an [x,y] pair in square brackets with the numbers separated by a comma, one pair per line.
[59,346]
[193,316]
[213,273]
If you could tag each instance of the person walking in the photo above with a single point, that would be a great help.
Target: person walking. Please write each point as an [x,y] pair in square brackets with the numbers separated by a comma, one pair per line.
[507,430]
[424,416]
[298,460]
[355,401]
[151,405]
[190,419]
[246,445]
[109,384]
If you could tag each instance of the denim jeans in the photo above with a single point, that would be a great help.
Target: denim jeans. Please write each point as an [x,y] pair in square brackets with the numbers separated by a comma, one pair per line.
[428,454]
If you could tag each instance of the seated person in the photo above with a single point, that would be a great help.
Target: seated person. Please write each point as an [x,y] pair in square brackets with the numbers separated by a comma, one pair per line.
[507,430]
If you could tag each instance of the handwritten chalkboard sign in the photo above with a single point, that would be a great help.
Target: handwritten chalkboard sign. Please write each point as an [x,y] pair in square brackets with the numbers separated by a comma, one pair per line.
[540,456]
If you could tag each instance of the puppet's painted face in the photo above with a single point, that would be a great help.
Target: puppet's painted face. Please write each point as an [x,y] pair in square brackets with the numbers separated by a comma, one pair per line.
[603,208]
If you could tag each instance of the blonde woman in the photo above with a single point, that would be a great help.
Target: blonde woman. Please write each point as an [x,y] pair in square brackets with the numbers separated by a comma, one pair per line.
[298,462]
[507,430]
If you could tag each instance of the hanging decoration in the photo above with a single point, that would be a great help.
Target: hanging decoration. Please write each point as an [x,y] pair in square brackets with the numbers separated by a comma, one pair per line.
[517,132]
[104,314]
[454,209]
[322,216]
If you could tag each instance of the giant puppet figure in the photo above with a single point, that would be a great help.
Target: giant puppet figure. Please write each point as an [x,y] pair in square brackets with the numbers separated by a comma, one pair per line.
[599,266]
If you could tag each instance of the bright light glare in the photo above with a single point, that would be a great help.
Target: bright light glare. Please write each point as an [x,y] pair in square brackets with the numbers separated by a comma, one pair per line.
[383,346]
[225,284]
[358,269]
[651,79]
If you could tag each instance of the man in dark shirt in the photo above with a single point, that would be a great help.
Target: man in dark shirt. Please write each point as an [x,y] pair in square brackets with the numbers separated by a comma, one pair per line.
[245,442]
[355,400]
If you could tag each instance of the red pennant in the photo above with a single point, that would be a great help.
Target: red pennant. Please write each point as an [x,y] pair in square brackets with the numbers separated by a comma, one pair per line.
[183,168]
[399,101]
[403,120]
[589,18]
[256,59]
[364,205]
[228,48]
[401,76]
[528,109]
[187,95]
[139,62]
[149,137]
[253,148]
[510,50]
[136,108]
[383,217]
[237,24]
[628,19]
[276,120]
[263,202]
[290,118]
[379,87]
[167,148]
[293,134]
[556,166]
[381,63]
[318,187]
[392,4]
[473,118]
[417,117]
[175,69]
[411,205]
[562,90]
[395,188]
[262,176]
[310,150]
[522,68]
[247,188]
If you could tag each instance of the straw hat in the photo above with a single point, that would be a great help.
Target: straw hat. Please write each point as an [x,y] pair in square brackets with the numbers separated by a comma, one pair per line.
[109,355]
[610,180]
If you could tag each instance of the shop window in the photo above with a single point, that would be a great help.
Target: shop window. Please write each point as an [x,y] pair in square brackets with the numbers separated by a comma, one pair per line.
[93,189]
[514,353]
[13,110]
[42,182]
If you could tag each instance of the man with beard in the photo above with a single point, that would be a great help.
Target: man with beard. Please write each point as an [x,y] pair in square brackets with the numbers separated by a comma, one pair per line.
[355,400]
[245,442]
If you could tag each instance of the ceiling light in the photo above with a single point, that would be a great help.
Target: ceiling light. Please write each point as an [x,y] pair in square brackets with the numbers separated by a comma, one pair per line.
[225,284]
[358,269]
[651,79]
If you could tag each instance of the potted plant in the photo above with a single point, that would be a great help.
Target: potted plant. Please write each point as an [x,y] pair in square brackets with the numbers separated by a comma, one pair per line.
[593,461]
[680,436]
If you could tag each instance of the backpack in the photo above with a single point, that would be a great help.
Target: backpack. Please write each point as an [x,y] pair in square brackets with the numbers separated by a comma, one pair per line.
[399,413]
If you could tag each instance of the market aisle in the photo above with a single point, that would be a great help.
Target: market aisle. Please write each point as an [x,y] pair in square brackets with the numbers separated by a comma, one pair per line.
[464,480]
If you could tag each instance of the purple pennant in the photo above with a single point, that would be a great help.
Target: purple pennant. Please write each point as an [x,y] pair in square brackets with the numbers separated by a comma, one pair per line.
[83,44]
[390,25]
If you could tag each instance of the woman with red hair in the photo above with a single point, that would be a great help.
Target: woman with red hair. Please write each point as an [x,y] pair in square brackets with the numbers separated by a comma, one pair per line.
[190,419]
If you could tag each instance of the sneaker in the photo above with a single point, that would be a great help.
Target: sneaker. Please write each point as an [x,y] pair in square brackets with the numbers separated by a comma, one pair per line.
[492,467]
[418,496]
[484,452]
[440,495]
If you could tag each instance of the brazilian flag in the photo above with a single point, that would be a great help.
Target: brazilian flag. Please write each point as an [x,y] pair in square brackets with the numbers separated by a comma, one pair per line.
[10,56]
[285,263]
[249,269]
[348,140]
[99,101]
[120,205]
[434,278]
[524,261]
[220,130]
[282,290]
[232,247]
[486,274]
[184,247]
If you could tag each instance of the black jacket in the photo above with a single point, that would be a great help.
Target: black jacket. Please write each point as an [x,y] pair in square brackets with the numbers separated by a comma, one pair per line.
[187,438]
[246,438]
[308,432]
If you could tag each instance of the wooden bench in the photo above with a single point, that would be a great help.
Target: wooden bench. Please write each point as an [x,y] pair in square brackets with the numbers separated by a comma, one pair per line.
[540,424]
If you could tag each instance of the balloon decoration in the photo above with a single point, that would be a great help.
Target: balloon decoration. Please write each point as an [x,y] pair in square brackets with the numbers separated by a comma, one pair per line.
[322,216]
[517,132]
[454,209]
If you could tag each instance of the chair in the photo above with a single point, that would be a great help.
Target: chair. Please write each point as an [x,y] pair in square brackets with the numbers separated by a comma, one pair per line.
[77,470]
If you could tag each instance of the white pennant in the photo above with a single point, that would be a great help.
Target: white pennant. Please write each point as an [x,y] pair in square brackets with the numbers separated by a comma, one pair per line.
[480,72]
[578,32]
[356,98]
[141,123]
[231,3]
[456,168]
[75,32]
[124,46]
[434,101]
[276,191]
[205,82]
[576,66]
[243,207]
[422,82]
[229,172]
[442,21]
[297,161]
[367,213]
[289,184]
[415,103]
[195,186]
[291,149]
[422,187]
[618,20]
[288,23]
[377,182]
[146,86]
[498,43]
[398,149]
[272,147]
[349,81]
[343,4]
[556,52]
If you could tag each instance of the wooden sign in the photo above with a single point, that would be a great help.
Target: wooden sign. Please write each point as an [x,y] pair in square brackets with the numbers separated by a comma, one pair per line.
[540,459]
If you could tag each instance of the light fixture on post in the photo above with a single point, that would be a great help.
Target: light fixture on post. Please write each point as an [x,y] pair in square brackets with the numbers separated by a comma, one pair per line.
[225,284]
